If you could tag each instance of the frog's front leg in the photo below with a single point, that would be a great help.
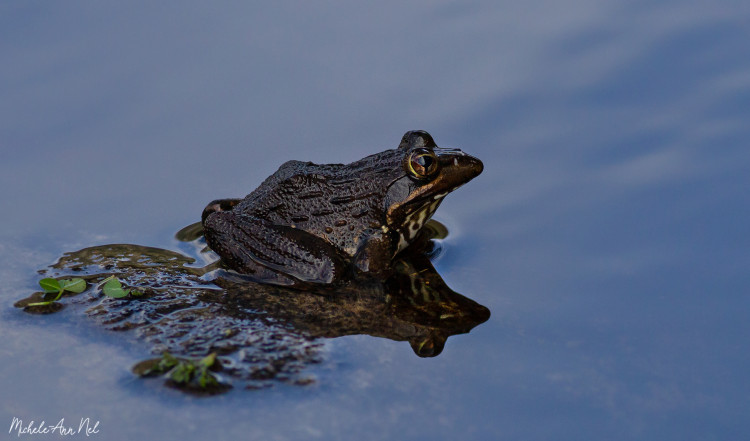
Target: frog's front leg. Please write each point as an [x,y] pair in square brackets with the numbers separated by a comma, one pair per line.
[375,253]
[276,254]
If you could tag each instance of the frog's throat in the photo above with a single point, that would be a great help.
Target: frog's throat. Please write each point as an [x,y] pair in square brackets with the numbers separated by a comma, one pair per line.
[415,220]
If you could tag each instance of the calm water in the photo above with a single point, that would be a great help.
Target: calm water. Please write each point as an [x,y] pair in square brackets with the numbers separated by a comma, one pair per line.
[608,233]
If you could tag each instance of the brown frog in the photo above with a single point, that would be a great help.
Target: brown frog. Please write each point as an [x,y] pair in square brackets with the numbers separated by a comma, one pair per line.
[324,224]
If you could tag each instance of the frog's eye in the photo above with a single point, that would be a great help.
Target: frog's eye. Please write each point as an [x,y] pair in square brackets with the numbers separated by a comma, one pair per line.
[423,163]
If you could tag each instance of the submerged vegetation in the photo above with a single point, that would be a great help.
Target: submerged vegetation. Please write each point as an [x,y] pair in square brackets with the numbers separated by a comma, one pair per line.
[205,320]
[53,289]
[184,373]
[54,286]
[193,375]
[113,288]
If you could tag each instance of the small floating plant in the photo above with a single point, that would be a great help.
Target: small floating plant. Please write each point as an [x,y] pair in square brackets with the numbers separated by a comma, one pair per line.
[193,375]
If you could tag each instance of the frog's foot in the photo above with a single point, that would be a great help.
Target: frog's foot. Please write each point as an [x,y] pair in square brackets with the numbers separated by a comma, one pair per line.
[276,254]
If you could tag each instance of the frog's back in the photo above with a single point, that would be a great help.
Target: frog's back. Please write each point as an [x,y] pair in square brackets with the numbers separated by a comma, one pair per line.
[330,200]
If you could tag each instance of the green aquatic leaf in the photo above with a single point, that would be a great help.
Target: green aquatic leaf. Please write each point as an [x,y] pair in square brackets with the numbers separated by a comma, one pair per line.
[113,288]
[207,379]
[168,361]
[112,283]
[183,373]
[50,285]
[208,360]
[73,285]
[115,293]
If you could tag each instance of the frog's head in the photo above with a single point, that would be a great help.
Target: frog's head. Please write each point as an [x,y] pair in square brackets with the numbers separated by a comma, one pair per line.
[429,174]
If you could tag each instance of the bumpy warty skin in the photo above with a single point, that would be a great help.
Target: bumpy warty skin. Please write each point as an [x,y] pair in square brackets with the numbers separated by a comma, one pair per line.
[311,223]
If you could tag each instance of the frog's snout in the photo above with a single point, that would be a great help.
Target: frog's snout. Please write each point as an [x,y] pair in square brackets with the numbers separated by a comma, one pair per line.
[461,163]
[473,166]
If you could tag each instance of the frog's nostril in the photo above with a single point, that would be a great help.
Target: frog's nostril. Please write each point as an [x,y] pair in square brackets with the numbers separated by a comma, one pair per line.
[468,165]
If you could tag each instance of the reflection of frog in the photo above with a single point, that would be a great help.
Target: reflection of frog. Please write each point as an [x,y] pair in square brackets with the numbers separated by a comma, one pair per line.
[414,304]
[325,223]
[262,332]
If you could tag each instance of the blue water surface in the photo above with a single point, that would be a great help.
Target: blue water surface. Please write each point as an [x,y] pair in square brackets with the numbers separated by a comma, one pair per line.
[608,233]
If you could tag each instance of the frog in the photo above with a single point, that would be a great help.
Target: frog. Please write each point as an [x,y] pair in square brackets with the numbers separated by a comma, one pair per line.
[324,224]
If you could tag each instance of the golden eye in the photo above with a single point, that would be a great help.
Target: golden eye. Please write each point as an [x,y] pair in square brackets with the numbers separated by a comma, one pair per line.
[423,163]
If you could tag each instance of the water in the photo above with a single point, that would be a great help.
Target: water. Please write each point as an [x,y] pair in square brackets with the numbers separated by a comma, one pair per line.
[607,234]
